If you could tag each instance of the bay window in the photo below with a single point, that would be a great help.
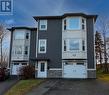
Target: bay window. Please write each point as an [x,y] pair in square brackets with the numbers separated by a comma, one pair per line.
[74,23]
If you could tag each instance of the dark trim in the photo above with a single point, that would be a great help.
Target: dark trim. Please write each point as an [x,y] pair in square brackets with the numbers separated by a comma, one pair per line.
[40,59]
[10,49]
[19,61]
[65,15]
[28,28]
[74,59]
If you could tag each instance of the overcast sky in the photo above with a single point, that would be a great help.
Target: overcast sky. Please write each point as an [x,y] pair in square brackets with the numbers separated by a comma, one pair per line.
[24,10]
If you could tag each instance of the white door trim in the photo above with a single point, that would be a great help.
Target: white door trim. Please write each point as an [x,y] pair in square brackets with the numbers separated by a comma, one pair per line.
[42,71]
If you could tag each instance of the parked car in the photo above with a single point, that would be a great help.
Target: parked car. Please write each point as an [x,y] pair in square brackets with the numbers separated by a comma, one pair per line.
[4,73]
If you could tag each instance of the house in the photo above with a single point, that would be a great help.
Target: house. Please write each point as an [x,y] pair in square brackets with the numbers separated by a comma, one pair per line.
[22,47]
[61,47]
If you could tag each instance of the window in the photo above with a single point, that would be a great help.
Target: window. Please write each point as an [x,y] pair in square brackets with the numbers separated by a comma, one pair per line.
[83,45]
[83,24]
[73,24]
[64,45]
[73,44]
[80,63]
[19,35]
[65,24]
[27,35]
[43,24]
[26,50]
[42,67]
[42,46]
[24,63]
[18,50]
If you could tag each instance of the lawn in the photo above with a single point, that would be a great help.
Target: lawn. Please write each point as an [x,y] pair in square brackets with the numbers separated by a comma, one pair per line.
[23,86]
[104,77]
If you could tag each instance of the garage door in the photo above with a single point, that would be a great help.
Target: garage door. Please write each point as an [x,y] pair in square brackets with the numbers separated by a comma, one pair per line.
[16,68]
[74,71]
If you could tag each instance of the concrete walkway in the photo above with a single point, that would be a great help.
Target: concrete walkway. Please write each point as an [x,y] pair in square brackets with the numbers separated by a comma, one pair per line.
[43,88]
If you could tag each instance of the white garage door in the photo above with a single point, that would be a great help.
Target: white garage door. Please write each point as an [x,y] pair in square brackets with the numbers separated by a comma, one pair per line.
[74,71]
[16,68]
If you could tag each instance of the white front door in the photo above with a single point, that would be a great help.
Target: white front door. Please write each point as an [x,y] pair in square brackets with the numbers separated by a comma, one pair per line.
[42,69]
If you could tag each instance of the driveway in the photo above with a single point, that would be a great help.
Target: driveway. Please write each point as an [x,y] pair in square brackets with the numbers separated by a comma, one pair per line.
[7,84]
[79,87]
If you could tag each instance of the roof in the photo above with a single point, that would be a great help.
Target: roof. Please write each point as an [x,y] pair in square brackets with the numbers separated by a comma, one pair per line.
[65,15]
[28,28]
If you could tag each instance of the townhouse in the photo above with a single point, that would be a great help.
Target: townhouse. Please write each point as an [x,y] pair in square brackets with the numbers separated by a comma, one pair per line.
[60,47]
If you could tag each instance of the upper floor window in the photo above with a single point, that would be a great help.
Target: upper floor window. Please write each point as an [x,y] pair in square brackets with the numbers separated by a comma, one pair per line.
[73,24]
[42,46]
[19,35]
[27,36]
[65,45]
[73,44]
[83,24]
[43,25]
[83,45]
[26,50]
[65,24]
[18,50]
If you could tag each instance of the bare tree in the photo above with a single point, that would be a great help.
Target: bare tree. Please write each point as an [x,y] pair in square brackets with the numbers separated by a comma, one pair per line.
[104,28]
[2,37]
[98,47]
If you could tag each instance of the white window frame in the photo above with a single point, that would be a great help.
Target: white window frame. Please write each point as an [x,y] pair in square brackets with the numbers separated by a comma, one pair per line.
[43,22]
[45,44]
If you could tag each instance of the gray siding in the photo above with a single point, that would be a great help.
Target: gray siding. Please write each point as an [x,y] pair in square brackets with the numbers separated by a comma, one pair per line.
[33,36]
[90,43]
[54,43]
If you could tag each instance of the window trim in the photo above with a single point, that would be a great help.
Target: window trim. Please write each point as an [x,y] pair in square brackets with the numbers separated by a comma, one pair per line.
[45,45]
[44,23]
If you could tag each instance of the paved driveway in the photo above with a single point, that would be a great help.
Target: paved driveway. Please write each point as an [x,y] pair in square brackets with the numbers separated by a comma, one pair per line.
[5,85]
[79,87]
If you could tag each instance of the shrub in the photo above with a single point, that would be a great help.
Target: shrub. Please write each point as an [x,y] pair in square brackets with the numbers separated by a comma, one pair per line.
[2,74]
[27,72]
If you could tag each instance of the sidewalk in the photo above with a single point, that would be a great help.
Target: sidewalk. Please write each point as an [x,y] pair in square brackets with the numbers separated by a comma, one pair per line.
[43,88]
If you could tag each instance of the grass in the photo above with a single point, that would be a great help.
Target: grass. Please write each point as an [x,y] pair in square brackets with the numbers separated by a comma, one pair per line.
[102,76]
[23,86]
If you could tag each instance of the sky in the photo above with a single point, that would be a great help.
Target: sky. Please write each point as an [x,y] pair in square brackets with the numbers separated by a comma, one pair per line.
[24,10]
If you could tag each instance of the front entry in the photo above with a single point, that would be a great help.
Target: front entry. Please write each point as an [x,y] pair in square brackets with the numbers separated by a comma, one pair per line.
[42,69]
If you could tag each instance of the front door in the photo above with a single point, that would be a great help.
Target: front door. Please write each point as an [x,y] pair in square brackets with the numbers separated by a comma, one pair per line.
[42,69]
